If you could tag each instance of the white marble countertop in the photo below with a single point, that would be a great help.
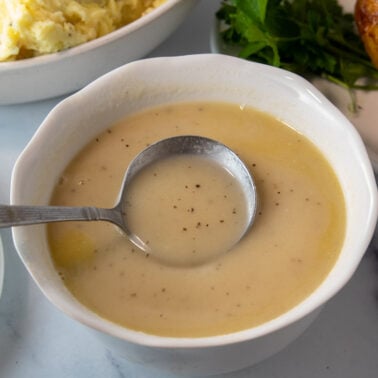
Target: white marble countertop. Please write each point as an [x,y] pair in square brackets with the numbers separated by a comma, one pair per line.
[36,340]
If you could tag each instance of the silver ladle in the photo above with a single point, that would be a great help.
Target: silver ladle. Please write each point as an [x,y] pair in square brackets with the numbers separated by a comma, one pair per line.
[19,215]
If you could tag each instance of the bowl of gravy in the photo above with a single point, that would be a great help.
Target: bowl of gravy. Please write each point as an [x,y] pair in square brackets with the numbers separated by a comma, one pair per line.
[203,313]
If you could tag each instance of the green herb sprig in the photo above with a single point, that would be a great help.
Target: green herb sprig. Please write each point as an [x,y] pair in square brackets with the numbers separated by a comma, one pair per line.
[309,37]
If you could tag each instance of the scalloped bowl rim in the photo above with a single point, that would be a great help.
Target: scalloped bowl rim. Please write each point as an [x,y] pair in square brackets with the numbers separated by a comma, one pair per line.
[309,94]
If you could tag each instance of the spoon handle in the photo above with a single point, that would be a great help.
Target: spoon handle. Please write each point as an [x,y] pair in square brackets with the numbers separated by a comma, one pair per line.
[13,215]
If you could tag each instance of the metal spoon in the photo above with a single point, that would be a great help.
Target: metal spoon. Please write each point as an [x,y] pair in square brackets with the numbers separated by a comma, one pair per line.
[14,215]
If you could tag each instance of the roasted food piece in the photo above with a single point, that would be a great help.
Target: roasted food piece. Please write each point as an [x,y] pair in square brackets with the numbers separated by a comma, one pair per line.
[366,16]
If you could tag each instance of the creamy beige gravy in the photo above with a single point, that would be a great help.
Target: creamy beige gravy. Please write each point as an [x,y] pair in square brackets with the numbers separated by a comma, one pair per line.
[295,241]
[187,209]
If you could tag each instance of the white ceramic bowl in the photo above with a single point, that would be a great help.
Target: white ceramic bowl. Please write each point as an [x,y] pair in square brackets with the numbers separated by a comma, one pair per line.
[151,82]
[67,71]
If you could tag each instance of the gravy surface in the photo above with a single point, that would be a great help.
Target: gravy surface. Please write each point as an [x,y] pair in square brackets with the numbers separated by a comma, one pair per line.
[187,208]
[292,246]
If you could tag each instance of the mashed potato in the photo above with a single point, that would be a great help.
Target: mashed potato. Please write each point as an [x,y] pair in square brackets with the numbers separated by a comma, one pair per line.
[35,27]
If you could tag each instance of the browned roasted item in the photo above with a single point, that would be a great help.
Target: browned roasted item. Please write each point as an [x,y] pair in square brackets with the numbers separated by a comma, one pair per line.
[366,16]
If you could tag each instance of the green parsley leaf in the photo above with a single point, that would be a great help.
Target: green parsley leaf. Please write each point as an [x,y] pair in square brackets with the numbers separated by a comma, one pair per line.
[309,37]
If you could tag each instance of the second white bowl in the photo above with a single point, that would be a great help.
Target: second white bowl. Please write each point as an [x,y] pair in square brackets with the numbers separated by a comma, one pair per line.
[67,71]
